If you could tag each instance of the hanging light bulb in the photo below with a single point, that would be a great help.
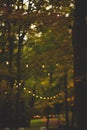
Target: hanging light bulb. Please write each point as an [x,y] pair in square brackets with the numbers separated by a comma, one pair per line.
[7,62]
[33,94]
[29,91]
[43,66]
[27,65]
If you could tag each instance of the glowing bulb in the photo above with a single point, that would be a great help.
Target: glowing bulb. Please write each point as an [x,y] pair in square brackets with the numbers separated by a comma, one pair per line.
[67,15]
[48,74]
[36,96]
[29,91]
[19,83]
[43,66]
[27,65]
[57,65]
[33,94]
[6,93]
[54,96]
[44,98]
[7,62]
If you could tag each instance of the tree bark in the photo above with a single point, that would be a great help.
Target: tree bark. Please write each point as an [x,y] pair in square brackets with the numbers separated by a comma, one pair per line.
[79,45]
[66,103]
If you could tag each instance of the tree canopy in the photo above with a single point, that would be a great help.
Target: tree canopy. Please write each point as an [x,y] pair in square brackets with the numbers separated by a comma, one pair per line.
[35,49]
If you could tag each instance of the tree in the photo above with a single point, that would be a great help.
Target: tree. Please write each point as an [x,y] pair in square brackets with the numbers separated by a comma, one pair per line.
[30,47]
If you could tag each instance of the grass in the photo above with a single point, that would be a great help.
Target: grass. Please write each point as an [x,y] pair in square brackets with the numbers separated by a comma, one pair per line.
[37,123]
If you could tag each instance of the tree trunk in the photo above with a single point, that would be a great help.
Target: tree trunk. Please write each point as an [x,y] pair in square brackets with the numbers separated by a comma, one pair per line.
[79,45]
[11,81]
[47,123]
[18,76]
[66,103]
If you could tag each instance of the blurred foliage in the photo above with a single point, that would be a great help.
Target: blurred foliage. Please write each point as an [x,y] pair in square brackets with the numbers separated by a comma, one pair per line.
[35,49]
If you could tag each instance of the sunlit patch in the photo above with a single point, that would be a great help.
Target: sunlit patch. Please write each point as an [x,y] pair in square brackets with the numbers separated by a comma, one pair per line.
[71,5]
[38,34]
[48,7]
[26,3]
[33,26]
[25,37]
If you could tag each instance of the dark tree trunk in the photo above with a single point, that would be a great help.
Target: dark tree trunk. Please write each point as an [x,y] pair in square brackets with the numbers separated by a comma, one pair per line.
[79,45]
[18,76]
[66,103]
[11,81]
[47,123]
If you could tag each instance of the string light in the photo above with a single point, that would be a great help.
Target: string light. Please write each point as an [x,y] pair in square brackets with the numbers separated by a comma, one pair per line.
[40,97]
[67,15]
[57,96]
[33,94]
[16,86]
[48,74]
[24,88]
[20,84]
[37,96]
[6,93]
[58,15]
[7,62]
[27,65]
[43,66]
[69,99]
[29,91]
[57,64]
[44,98]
